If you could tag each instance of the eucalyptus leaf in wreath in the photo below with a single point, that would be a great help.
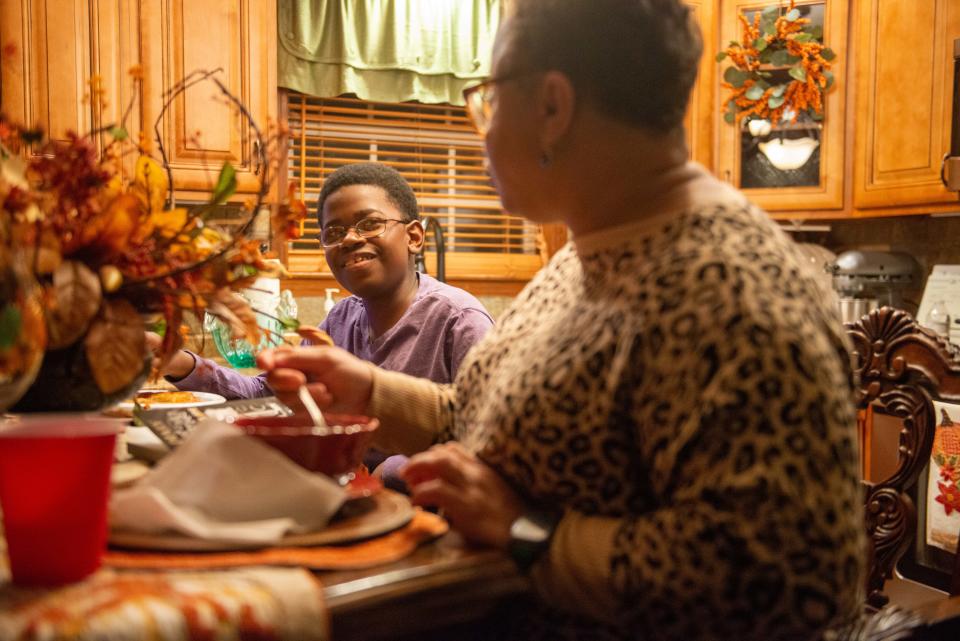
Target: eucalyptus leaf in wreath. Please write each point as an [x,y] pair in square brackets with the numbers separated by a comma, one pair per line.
[778,90]
[827,54]
[755,92]
[793,14]
[760,44]
[729,117]
[780,58]
[775,101]
[721,56]
[735,77]
[797,72]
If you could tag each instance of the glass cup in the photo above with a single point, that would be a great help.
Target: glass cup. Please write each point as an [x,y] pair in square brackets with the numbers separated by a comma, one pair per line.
[54,486]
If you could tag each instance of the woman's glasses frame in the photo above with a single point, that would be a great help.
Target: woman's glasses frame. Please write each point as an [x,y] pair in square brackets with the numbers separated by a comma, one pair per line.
[479,99]
[368,227]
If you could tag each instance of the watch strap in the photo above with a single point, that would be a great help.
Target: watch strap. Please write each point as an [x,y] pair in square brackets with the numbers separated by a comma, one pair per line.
[530,535]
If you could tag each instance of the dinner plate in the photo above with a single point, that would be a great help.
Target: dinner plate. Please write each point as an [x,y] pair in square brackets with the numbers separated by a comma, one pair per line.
[358,519]
[203,399]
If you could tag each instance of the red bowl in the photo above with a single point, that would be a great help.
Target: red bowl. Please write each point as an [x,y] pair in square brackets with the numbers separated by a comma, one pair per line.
[335,450]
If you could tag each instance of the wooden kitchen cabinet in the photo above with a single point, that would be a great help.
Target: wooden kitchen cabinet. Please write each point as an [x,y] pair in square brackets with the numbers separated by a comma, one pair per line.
[904,94]
[700,118]
[819,183]
[52,48]
[200,130]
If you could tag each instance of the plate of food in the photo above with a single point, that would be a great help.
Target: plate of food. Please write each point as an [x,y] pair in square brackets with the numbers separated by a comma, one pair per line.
[168,400]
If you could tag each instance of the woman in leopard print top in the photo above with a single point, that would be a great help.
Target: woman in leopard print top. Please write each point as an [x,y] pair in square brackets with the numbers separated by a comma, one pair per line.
[673,382]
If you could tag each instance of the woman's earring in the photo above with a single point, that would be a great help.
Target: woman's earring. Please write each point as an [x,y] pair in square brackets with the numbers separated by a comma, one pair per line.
[545,159]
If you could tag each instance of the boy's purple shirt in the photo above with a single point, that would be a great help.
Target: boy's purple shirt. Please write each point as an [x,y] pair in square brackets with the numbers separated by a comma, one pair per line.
[429,341]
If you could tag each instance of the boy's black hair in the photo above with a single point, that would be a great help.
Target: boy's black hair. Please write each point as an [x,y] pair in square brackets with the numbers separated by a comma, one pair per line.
[378,175]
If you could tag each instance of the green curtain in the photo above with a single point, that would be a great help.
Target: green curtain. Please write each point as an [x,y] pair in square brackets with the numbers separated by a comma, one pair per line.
[386,50]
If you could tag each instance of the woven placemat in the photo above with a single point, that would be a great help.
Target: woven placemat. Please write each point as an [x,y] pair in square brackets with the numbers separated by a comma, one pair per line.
[394,546]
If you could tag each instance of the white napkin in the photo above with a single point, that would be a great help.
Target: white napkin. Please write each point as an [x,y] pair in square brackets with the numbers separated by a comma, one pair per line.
[222,484]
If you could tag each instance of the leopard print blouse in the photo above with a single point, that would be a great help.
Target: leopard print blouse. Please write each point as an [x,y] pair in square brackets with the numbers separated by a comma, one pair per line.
[682,389]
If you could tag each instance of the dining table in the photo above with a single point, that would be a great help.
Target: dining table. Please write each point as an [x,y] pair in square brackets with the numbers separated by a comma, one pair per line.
[444,589]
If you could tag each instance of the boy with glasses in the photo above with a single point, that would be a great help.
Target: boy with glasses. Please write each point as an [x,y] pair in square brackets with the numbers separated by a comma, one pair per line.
[397,318]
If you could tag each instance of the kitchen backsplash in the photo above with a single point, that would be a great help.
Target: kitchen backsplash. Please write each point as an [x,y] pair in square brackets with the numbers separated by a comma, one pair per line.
[932,241]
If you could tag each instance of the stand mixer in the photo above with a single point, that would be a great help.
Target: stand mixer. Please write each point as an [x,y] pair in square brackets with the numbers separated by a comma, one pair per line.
[865,280]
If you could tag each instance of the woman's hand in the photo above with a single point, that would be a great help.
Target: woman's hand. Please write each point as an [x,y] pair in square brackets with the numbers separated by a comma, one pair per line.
[337,380]
[474,498]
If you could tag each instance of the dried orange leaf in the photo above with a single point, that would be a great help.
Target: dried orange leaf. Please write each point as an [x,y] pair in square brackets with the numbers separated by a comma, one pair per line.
[172,341]
[116,346]
[169,222]
[151,181]
[75,299]
[110,232]
[234,310]
[315,335]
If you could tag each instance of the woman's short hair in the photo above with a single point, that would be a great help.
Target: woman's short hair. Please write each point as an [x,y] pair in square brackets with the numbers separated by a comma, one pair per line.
[374,174]
[635,60]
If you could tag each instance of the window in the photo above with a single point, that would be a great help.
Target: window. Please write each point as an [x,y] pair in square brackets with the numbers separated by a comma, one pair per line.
[439,153]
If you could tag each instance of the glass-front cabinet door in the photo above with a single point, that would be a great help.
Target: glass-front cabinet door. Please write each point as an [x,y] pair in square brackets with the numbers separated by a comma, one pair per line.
[785,160]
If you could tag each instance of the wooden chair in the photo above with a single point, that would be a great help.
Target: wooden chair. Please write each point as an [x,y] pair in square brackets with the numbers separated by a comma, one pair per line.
[902,367]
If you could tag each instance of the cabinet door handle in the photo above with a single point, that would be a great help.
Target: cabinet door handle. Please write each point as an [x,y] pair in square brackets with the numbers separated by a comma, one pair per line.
[257,161]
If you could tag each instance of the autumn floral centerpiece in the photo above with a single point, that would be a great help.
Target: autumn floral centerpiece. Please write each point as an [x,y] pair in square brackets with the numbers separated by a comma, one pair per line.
[92,246]
[777,39]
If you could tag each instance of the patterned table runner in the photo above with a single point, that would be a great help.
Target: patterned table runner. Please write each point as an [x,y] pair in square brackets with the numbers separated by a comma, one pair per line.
[262,604]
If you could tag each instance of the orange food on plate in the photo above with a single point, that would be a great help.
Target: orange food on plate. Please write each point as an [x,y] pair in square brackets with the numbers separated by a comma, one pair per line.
[146,399]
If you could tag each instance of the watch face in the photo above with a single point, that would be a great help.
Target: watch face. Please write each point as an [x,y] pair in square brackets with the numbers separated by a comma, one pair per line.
[525,529]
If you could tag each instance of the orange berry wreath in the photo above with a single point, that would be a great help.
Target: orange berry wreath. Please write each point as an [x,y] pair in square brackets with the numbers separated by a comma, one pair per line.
[776,40]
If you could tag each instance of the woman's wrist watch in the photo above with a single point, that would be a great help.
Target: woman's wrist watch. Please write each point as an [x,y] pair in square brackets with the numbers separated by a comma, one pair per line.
[530,535]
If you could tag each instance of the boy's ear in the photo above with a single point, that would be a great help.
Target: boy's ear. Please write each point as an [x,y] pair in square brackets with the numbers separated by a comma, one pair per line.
[415,236]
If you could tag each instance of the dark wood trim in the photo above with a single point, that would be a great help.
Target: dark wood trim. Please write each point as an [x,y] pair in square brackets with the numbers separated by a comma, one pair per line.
[901,367]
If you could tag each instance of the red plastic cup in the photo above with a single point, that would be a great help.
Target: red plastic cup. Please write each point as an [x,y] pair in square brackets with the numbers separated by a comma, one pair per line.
[54,486]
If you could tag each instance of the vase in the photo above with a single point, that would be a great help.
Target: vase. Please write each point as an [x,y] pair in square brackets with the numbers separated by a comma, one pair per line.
[65,383]
[22,329]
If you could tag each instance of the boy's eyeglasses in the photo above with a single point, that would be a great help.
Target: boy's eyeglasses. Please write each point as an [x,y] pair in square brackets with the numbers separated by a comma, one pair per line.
[479,99]
[369,227]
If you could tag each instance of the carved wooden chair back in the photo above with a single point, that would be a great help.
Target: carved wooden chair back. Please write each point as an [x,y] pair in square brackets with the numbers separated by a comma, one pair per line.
[902,367]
